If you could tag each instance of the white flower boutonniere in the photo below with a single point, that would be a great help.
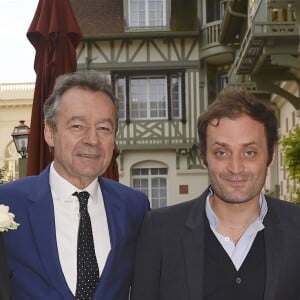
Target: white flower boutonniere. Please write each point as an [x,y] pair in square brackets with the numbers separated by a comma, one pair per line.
[7,219]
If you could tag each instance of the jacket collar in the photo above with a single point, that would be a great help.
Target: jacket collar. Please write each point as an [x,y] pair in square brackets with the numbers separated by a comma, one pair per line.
[193,247]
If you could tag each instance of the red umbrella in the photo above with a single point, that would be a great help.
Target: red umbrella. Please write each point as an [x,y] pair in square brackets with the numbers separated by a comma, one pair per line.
[55,34]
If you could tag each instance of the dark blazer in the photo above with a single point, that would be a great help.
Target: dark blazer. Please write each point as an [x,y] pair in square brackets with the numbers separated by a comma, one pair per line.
[32,250]
[4,278]
[169,260]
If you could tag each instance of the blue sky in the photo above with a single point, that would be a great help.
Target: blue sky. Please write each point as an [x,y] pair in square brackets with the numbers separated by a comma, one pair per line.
[16,52]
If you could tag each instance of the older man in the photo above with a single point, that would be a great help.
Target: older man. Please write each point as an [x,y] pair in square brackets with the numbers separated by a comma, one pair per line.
[78,230]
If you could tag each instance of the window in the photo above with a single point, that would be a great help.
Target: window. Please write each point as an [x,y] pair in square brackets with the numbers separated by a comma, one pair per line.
[216,82]
[222,81]
[150,97]
[223,4]
[153,182]
[121,95]
[146,13]
[212,10]
[176,96]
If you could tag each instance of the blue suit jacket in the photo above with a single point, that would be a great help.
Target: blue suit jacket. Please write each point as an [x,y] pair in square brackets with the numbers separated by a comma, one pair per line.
[32,250]
[4,280]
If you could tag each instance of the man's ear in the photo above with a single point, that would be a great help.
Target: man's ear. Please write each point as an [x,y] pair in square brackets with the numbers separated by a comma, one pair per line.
[48,135]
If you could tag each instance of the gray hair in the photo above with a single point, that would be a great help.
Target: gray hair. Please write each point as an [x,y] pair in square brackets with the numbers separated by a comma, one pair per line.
[87,80]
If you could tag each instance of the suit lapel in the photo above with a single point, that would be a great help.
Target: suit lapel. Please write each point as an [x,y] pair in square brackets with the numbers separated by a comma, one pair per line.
[274,241]
[193,245]
[41,215]
[115,216]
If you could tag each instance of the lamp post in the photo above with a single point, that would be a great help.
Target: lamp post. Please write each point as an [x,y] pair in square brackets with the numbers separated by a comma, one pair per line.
[20,136]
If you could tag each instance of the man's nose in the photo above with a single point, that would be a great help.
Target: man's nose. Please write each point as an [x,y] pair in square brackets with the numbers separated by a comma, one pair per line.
[91,136]
[236,163]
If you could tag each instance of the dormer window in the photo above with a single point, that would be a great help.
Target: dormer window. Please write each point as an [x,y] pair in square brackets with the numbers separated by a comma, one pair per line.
[146,14]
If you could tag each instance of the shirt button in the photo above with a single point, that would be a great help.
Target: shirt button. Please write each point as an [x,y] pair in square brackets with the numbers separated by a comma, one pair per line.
[238,280]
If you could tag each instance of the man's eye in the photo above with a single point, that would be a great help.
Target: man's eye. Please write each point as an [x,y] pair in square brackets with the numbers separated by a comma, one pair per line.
[250,153]
[76,126]
[105,129]
[221,153]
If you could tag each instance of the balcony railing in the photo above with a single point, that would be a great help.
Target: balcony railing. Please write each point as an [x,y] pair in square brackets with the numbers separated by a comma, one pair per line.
[159,134]
[16,87]
[253,42]
[15,91]
[274,28]
[210,34]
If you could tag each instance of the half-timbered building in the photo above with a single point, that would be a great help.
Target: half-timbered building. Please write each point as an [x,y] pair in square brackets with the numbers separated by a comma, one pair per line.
[167,60]
[150,50]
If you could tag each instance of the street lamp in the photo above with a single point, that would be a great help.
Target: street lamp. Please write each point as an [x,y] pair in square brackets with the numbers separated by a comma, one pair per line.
[20,136]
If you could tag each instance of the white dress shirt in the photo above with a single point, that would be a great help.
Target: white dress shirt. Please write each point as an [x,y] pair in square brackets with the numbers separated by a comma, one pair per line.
[239,251]
[66,212]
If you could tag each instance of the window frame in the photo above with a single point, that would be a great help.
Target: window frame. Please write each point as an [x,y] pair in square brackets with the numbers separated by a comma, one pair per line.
[148,89]
[169,101]
[150,179]
[166,17]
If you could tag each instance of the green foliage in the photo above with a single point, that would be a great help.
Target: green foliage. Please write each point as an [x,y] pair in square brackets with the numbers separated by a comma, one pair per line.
[291,152]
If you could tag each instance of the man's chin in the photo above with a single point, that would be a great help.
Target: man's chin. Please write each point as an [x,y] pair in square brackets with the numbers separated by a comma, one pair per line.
[236,198]
[233,195]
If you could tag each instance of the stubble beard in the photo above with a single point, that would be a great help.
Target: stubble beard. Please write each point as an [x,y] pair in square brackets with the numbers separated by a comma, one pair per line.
[236,195]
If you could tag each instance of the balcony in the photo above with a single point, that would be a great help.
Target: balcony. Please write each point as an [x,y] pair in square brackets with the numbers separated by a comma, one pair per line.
[269,50]
[262,40]
[210,48]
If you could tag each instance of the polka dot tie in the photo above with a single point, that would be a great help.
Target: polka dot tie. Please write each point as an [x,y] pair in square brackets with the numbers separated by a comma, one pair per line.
[87,267]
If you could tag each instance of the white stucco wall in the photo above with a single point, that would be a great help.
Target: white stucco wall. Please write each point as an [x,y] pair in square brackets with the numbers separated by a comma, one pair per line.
[195,179]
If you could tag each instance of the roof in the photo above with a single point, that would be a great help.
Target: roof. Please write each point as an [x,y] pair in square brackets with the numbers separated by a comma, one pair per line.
[92,16]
